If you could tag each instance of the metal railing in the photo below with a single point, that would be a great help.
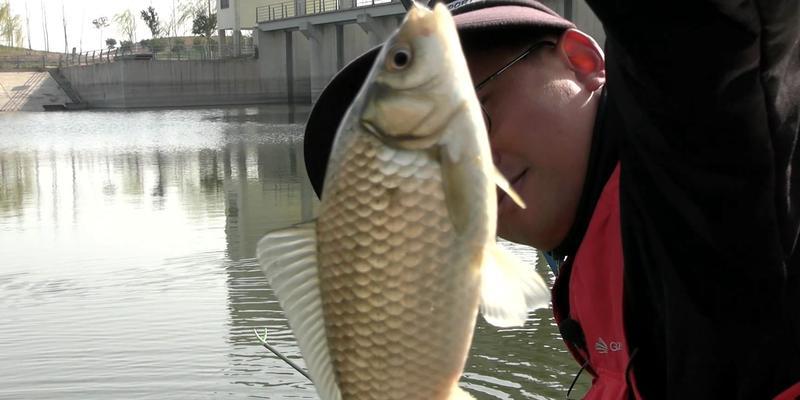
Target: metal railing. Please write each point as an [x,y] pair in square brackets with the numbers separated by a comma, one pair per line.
[28,61]
[41,61]
[296,8]
[89,57]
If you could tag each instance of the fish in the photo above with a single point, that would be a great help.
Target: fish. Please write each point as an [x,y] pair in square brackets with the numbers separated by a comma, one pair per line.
[382,290]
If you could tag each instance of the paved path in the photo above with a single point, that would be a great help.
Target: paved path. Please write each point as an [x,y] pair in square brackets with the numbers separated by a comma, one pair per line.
[29,91]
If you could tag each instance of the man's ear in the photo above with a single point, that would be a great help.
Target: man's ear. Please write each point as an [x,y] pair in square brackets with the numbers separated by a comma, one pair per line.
[584,57]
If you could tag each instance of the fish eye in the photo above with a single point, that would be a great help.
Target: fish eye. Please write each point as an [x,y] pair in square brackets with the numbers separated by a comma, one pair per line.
[399,58]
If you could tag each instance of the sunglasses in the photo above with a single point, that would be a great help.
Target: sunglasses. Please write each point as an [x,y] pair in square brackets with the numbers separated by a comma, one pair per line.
[487,119]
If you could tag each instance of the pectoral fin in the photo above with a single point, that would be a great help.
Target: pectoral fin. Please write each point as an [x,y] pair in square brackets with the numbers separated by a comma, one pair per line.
[288,258]
[509,289]
[455,193]
[503,184]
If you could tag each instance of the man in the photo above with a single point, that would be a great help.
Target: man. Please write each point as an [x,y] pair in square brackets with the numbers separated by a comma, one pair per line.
[658,178]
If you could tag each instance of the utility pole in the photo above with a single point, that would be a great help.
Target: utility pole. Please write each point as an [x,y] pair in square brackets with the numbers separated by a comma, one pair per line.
[44,28]
[83,22]
[64,20]
[28,25]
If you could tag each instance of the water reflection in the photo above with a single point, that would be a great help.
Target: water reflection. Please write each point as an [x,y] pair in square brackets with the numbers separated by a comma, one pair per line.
[126,261]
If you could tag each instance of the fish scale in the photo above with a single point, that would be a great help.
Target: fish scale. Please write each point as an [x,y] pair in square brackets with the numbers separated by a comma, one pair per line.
[414,268]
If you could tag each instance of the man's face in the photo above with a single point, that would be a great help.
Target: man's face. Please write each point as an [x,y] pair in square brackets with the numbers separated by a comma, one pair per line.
[541,127]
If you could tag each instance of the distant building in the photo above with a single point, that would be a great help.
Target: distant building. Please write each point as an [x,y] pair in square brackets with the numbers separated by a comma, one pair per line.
[236,16]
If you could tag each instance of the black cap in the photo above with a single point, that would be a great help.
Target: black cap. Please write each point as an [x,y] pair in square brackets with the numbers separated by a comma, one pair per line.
[470,16]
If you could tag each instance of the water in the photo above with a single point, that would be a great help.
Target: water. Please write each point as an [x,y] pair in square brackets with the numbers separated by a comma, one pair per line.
[127,271]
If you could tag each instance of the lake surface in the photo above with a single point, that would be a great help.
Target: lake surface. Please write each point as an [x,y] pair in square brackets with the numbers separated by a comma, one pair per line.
[126,262]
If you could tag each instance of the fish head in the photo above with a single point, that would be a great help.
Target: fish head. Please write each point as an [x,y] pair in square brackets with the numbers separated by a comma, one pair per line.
[415,84]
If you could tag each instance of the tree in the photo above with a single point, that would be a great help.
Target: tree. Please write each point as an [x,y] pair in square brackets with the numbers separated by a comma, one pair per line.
[179,47]
[28,26]
[111,43]
[19,39]
[126,46]
[100,23]
[150,17]
[10,26]
[204,24]
[127,24]
[155,45]
[186,12]
[5,13]
[45,28]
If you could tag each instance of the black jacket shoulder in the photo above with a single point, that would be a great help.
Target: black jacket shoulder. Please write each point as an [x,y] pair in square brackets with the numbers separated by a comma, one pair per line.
[708,94]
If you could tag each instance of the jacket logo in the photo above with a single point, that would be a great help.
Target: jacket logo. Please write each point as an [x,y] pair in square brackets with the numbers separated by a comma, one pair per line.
[457,4]
[603,348]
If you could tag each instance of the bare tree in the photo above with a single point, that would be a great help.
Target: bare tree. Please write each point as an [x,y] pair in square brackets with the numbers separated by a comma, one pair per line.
[10,26]
[5,19]
[28,25]
[186,12]
[127,24]
[5,13]
[45,30]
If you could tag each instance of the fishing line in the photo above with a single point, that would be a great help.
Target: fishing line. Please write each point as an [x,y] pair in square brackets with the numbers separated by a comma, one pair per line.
[281,356]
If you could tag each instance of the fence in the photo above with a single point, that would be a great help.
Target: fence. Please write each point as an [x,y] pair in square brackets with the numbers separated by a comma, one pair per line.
[29,61]
[293,8]
[212,51]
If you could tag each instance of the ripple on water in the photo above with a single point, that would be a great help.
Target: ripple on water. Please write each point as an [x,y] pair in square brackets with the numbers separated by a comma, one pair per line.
[127,270]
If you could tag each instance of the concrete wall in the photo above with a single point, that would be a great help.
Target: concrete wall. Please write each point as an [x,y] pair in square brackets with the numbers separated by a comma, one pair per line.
[315,54]
[131,84]
[272,68]
[356,42]
[587,21]
[302,68]
[579,12]
[322,43]
[297,58]
[323,53]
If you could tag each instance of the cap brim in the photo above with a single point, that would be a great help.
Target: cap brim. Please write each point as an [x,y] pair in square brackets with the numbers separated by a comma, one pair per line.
[327,113]
[332,104]
[509,17]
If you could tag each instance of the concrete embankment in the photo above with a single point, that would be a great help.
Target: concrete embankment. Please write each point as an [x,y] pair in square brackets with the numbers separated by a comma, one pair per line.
[152,83]
[29,91]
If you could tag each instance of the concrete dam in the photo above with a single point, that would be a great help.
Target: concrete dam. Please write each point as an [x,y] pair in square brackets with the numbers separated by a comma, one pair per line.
[298,52]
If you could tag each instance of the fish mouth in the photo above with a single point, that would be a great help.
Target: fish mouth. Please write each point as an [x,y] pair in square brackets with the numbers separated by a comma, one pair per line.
[395,140]
[406,141]
[371,128]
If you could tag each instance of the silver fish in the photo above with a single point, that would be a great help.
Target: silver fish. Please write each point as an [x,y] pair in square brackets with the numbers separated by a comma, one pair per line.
[383,289]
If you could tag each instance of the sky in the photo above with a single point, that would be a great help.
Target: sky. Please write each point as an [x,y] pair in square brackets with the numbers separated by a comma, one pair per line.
[79,14]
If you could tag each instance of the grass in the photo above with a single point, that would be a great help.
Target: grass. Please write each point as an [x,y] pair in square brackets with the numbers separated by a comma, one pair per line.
[13,51]
[22,59]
